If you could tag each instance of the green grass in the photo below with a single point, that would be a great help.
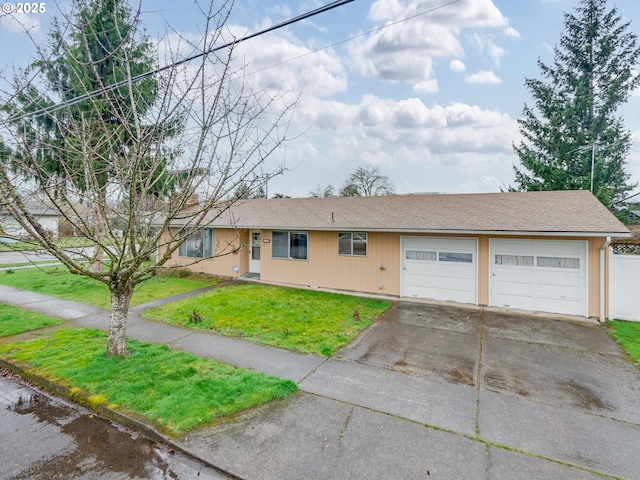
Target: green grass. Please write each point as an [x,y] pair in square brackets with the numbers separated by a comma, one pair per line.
[57,282]
[176,389]
[15,320]
[28,264]
[627,334]
[307,321]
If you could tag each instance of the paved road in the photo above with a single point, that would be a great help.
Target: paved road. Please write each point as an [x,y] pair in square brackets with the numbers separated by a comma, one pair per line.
[10,258]
[45,438]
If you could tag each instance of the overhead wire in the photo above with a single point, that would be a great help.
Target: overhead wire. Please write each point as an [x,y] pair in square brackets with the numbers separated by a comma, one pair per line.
[363,34]
[73,101]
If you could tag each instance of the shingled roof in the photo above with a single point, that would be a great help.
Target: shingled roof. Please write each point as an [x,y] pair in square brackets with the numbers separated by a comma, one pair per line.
[563,213]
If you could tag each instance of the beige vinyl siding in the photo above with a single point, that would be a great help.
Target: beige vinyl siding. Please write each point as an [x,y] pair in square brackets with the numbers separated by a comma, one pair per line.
[225,241]
[324,268]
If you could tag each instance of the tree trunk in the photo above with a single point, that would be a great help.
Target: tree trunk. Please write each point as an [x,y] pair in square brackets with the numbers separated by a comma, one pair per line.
[100,228]
[117,340]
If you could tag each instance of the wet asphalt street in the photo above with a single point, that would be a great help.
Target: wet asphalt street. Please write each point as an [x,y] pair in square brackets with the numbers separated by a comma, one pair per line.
[46,438]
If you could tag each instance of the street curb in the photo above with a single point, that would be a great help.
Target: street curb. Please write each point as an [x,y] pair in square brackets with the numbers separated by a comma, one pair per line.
[116,413]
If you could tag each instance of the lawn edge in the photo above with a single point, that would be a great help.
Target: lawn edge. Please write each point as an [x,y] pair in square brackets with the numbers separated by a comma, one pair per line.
[115,413]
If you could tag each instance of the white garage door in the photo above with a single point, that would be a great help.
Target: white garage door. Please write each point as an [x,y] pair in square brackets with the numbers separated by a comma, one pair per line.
[547,276]
[439,268]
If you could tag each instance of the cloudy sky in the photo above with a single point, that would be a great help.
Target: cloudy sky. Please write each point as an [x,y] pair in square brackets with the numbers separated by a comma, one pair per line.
[428,91]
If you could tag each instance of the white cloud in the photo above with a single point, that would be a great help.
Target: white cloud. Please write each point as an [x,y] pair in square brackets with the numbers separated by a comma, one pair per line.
[511,32]
[426,86]
[483,76]
[406,51]
[486,46]
[457,66]
[633,160]
[466,13]
[19,22]
[420,147]
[276,64]
[378,125]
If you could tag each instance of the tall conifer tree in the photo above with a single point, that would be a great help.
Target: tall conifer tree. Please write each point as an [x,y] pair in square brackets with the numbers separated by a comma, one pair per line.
[575,129]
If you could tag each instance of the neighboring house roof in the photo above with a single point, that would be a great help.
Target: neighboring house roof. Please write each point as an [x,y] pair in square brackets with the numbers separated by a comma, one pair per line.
[560,213]
[38,209]
[635,236]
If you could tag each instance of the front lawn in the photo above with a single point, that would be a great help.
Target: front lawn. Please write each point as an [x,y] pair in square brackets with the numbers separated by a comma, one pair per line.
[58,282]
[627,334]
[175,389]
[15,320]
[307,321]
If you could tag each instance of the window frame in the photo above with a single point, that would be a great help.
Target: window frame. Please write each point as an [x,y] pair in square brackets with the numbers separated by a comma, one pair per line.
[455,257]
[202,233]
[351,243]
[566,262]
[289,238]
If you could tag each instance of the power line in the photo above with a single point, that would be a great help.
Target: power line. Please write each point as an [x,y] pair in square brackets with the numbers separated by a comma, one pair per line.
[356,36]
[142,76]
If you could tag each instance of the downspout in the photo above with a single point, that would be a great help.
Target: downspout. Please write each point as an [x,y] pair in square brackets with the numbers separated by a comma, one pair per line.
[603,251]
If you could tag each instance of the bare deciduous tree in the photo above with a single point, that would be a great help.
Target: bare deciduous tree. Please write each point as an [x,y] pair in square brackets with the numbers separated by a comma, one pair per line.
[366,182]
[137,154]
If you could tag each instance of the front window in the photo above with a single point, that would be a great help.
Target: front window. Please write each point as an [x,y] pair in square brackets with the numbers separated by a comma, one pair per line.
[198,244]
[289,245]
[352,244]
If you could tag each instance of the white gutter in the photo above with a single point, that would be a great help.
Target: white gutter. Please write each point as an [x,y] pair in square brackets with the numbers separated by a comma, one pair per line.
[604,249]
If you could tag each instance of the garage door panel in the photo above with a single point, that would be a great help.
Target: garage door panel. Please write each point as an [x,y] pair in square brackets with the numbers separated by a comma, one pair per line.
[515,246]
[456,244]
[559,305]
[541,275]
[514,288]
[454,295]
[422,268]
[456,270]
[514,274]
[558,277]
[420,242]
[430,281]
[555,291]
[559,248]
[419,291]
[450,283]
[524,302]
[446,271]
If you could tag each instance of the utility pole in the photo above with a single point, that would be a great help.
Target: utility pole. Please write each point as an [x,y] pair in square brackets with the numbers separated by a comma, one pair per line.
[593,162]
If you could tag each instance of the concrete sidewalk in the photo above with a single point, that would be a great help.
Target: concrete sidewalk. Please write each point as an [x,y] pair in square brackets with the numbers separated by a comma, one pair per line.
[356,420]
[240,353]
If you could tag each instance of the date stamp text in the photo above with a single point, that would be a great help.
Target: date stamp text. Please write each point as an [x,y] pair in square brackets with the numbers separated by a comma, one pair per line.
[24,7]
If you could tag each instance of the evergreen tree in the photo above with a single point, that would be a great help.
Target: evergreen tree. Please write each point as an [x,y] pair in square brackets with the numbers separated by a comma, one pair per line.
[574,127]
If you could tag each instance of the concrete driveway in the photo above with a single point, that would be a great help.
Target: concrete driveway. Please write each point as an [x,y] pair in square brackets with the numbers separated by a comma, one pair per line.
[553,388]
[439,392]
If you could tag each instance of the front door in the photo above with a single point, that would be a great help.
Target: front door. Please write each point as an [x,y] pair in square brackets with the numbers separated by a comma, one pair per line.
[254,253]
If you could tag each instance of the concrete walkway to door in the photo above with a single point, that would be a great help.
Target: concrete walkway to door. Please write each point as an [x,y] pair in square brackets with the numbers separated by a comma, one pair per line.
[424,392]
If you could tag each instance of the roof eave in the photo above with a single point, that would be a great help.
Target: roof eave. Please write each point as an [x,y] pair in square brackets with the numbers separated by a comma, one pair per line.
[527,233]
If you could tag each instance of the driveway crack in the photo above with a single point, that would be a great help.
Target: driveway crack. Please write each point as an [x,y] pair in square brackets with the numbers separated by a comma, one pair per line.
[345,425]
[479,371]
